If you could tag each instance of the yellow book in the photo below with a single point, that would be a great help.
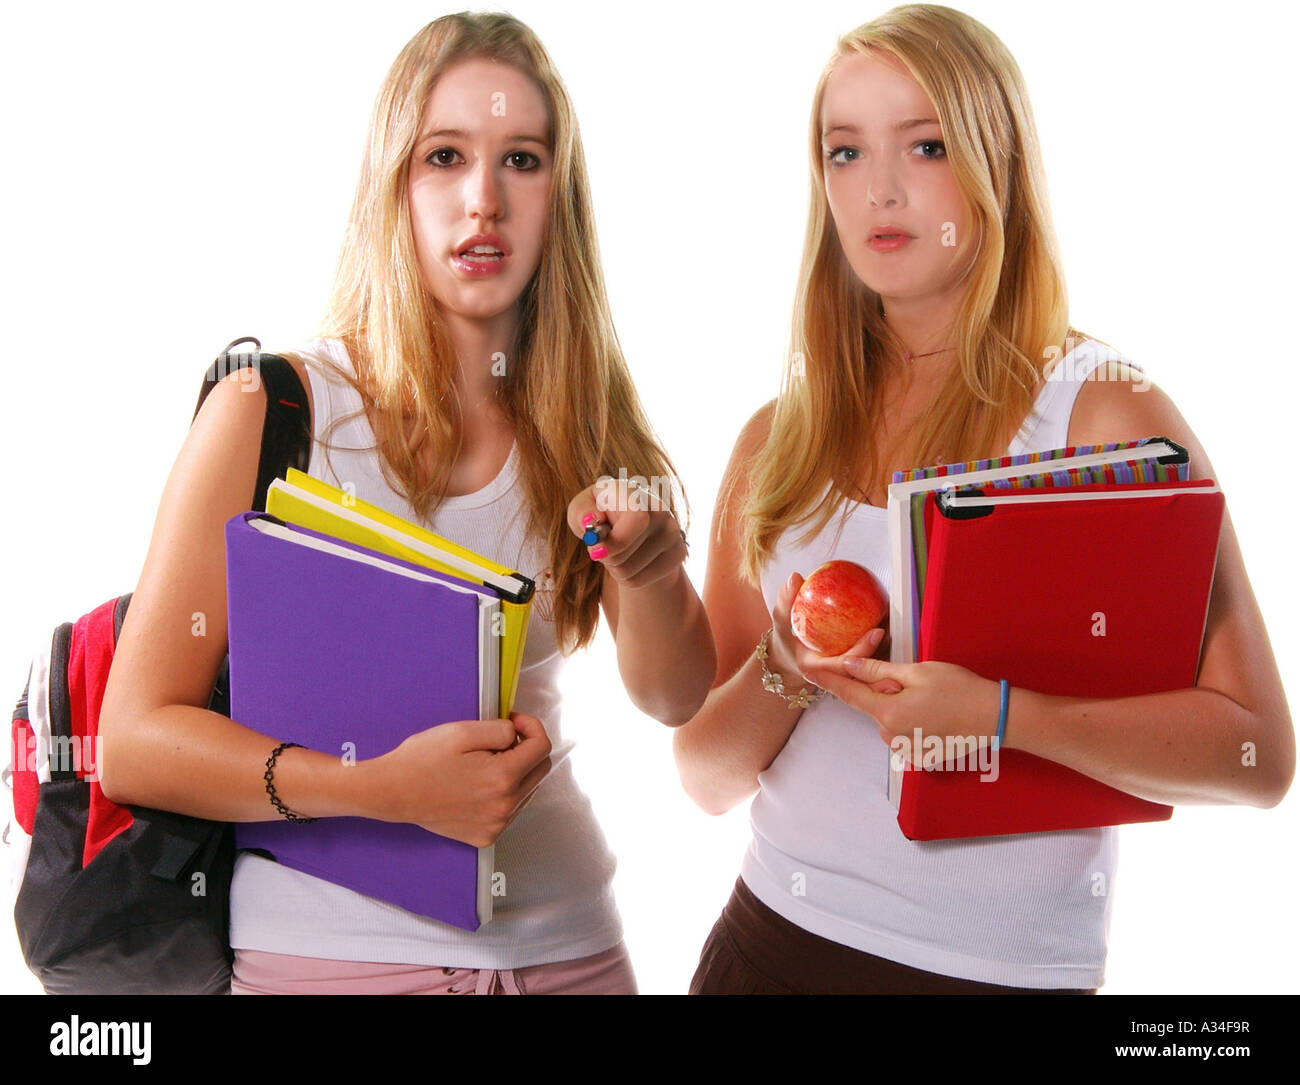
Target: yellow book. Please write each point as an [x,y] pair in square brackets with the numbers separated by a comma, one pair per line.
[308,502]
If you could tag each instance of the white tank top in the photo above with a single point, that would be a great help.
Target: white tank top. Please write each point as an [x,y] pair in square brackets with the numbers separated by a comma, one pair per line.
[558,902]
[1027,910]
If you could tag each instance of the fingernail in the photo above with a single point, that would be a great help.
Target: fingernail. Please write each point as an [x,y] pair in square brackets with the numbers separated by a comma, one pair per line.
[599,552]
[877,636]
[853,665]
[589,519]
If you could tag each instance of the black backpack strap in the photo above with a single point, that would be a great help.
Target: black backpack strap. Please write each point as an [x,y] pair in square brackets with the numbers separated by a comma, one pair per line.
[62,766]
[286,441]
[286,431]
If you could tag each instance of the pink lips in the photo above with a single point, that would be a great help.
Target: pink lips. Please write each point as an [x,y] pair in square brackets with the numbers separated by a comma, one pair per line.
[480,264]
[888,238]
[888,244]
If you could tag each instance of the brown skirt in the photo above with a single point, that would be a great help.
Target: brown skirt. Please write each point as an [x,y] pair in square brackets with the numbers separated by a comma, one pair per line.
[753,951]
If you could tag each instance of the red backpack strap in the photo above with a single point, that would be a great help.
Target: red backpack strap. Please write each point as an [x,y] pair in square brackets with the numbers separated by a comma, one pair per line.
[90,654]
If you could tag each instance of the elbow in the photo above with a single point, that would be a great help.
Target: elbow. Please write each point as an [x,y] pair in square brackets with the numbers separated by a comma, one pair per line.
[710,802]
[677,706]
[1281,766]
[690,706]
[698,782]
[668,710]
[114,758]
[1269,765]
[713,806]
[674,688]
[676,714]
[1275,785]
[111,781]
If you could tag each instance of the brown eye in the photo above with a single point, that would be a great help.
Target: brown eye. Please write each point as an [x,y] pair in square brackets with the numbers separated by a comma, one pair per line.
[523,160]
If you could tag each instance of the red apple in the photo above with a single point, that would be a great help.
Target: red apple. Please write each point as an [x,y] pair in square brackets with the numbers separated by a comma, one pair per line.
[836,606]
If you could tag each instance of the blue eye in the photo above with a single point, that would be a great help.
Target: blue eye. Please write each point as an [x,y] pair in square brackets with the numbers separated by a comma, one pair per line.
[833,156]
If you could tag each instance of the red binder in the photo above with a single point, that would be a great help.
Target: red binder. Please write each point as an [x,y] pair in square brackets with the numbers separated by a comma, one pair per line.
[1091,591]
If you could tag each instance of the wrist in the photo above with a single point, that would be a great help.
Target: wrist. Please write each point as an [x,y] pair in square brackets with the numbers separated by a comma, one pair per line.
[789,685]
[316,785]
[1004,702]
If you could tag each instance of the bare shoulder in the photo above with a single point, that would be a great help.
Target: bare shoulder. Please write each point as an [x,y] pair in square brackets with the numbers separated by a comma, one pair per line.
[174,636]
[754,433]
[1120,403]
[750,442]
[737,611]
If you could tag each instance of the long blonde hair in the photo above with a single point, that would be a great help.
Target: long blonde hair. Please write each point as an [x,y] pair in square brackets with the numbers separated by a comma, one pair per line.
[566,388]
[1014,308]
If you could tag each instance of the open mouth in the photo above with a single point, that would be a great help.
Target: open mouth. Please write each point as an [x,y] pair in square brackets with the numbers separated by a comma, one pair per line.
[482,254]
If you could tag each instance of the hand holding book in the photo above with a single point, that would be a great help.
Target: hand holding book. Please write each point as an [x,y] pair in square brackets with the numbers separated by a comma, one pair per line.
[372,639]
[1082,575]
[465,780]
[940,699]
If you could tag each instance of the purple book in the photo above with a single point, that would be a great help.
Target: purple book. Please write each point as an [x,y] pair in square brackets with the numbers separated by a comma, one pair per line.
[351,659]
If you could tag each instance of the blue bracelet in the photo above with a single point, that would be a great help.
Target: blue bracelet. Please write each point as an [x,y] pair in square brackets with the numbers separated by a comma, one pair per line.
[1002,714]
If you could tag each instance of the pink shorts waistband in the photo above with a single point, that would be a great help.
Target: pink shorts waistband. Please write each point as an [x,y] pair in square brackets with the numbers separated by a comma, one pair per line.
[257,972]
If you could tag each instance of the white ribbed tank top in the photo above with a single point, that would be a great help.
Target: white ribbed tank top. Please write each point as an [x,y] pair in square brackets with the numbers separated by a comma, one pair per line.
[558,903]
[827,853]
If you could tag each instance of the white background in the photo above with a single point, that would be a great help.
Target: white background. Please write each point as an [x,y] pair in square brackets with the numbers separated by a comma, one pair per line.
[176,176]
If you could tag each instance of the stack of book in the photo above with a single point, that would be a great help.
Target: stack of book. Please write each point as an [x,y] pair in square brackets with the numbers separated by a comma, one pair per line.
[350,630]
[1079,572]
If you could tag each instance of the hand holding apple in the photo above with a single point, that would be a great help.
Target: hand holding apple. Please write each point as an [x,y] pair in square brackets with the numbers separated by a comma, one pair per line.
[836,607]
[799,665]
[786,655]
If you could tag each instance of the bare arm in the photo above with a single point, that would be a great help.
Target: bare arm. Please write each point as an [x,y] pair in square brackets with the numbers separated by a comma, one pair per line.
[666,656]
[665,649]
[1228,740]
[163,748]
[741,727]
[1184,746]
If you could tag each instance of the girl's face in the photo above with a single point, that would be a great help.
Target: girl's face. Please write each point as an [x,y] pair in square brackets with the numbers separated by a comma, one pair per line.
[886,172]
[479,188]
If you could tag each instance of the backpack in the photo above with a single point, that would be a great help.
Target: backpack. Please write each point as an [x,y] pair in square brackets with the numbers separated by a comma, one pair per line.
[125,899]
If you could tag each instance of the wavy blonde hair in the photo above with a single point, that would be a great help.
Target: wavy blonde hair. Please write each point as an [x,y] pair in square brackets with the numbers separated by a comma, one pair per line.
[1014,308]
[566,390]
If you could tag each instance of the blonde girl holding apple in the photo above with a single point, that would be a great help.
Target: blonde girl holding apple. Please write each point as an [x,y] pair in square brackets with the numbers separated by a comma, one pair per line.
[930,295]
[468,377]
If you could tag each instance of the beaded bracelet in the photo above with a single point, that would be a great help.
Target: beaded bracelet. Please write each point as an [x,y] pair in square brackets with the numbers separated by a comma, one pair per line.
[270,785]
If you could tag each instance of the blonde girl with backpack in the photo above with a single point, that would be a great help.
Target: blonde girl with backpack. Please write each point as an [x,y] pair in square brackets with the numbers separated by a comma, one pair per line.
[468,378]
